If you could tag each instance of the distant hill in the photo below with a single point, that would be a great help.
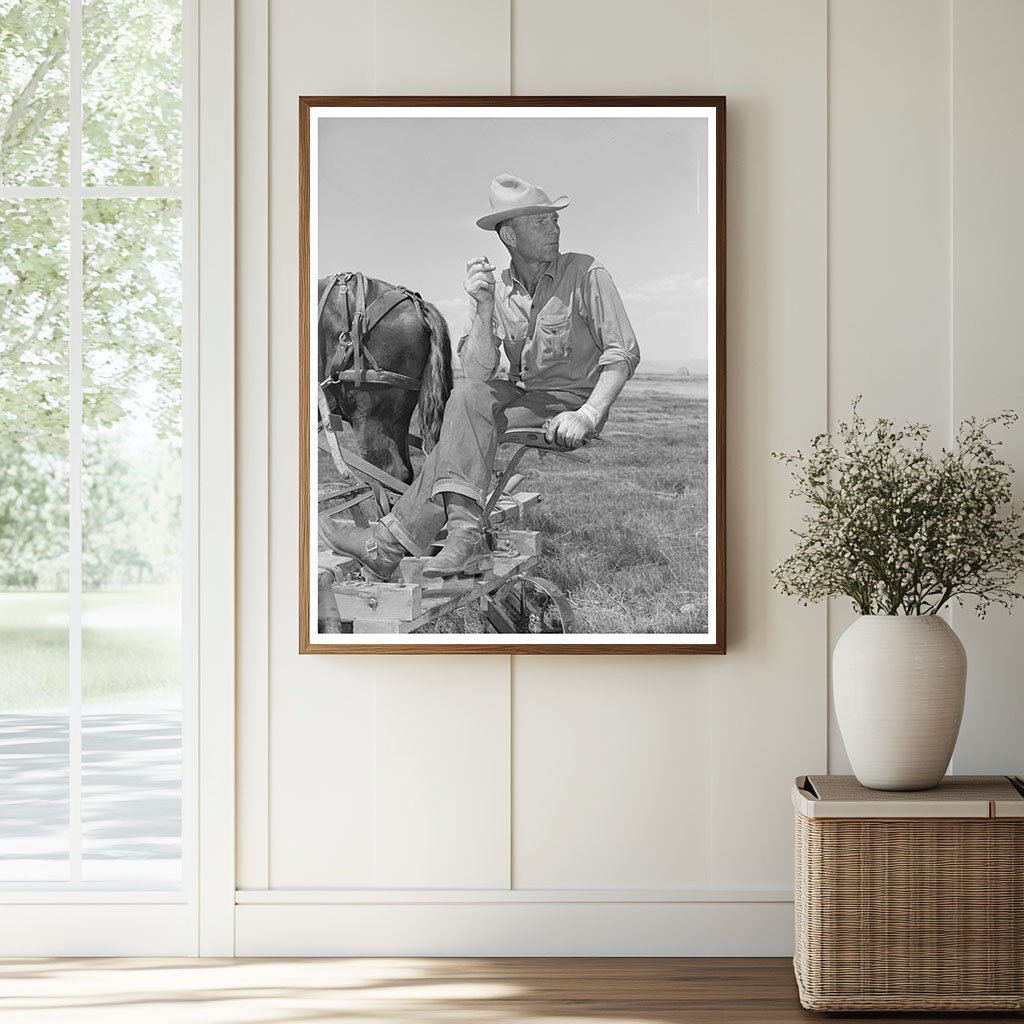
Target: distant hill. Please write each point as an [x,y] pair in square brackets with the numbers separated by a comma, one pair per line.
[693,367]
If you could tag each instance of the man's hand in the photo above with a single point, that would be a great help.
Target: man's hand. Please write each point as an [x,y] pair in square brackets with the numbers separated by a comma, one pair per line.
[570,429]
[478,350]
[479,284]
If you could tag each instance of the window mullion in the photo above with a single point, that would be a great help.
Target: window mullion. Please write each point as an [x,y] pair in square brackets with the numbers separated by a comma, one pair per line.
[75,303]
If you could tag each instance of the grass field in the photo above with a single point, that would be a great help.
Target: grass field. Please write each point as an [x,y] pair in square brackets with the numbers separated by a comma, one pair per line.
[130,647]
[625,535]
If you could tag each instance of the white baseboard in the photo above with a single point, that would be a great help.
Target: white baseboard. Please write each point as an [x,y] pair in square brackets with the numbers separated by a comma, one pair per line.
[520,928]
[99,928]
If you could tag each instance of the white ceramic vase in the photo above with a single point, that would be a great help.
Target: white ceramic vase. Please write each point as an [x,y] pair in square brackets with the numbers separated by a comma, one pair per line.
[898,683]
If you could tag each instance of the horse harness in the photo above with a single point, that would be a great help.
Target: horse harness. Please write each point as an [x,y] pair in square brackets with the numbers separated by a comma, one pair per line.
[347,364]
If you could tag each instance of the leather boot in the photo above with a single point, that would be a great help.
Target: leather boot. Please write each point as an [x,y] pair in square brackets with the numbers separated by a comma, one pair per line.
[465,550]
[374,545]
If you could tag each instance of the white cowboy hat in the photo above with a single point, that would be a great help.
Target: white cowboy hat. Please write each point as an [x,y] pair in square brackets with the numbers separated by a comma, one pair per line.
[513,197]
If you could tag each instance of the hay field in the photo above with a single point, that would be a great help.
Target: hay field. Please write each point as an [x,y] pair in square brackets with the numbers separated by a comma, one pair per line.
[625,535]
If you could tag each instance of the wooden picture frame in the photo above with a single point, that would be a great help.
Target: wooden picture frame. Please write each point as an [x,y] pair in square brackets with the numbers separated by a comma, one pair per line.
[389,190]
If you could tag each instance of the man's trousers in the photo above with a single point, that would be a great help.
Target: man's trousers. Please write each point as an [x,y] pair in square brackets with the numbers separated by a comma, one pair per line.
[477,414]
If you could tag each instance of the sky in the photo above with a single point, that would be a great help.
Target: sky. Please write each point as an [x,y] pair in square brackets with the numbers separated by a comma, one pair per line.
[398,199]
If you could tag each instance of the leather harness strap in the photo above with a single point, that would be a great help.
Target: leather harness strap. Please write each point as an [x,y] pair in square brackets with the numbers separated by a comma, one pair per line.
[352,465]
[326,295]
[346,364]
[357,329]
[360,321]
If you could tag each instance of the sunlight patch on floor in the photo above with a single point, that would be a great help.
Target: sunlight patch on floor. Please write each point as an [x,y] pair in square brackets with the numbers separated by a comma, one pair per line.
[218,991]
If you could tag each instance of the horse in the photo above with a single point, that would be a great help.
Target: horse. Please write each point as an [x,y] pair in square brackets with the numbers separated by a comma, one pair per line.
[382,350]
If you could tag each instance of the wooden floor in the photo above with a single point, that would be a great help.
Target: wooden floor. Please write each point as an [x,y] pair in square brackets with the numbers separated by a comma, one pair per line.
[413,991]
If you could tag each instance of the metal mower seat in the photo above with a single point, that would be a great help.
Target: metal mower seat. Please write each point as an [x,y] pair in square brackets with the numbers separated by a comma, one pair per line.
[525,438]
[533,437]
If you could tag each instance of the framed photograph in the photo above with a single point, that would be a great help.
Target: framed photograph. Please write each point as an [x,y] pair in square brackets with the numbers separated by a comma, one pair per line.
[512,375]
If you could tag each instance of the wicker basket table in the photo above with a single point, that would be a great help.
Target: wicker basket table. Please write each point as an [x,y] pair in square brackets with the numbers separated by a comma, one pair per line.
[910,901]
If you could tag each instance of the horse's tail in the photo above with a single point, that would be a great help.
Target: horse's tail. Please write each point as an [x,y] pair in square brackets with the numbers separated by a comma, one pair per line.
[437,377]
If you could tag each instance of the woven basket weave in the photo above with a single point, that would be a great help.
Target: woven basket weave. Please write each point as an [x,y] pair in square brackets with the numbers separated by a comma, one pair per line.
[909,913]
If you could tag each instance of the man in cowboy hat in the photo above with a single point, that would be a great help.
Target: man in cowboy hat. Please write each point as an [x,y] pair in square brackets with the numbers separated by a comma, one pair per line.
[560,321]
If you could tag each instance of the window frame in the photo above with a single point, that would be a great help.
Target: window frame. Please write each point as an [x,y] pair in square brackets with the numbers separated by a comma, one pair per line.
[69,918]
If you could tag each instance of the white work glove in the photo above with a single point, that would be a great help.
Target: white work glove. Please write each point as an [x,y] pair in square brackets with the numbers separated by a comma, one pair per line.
[571,429]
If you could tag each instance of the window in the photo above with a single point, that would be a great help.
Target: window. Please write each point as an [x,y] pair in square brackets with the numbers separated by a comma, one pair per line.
[96,469]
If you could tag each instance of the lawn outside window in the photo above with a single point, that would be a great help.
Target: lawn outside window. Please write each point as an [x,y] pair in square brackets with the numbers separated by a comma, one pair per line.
[97,485]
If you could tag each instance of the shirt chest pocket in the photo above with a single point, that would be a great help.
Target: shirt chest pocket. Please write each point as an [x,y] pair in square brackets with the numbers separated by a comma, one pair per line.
[553,333]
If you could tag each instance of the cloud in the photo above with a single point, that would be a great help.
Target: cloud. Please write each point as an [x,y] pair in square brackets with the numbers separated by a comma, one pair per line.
[456,312]
[671,286]
[454,309]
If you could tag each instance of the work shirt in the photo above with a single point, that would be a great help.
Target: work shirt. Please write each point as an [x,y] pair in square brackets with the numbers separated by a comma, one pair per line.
[573,325]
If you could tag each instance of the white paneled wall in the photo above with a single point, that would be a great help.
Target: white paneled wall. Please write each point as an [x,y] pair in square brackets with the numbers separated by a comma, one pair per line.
[768,693]
[889,211]
[612,775]
[341,743]
[442,799]
[889,249]
[444,47]
[610,804]
[319,755]
[987,364]
[578,47]
[925,217]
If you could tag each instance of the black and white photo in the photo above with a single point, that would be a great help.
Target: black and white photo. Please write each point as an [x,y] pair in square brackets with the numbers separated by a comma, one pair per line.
[511,375]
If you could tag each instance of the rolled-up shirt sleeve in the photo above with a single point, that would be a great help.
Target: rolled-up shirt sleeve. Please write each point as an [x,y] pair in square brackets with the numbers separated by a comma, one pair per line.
[609,324]
[485,366]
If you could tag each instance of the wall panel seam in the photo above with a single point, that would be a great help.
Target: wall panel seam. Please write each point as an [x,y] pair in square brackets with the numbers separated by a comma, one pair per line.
[828,343]
[510,710]
[950,298]
[511,49]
